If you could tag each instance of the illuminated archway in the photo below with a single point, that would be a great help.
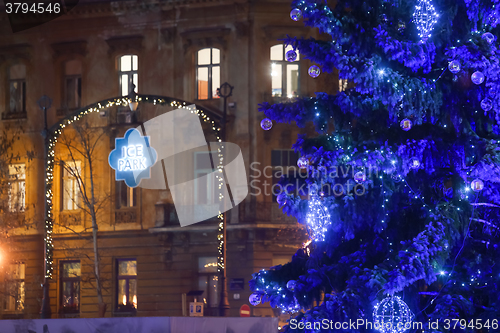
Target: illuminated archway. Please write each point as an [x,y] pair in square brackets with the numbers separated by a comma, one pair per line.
[55,131]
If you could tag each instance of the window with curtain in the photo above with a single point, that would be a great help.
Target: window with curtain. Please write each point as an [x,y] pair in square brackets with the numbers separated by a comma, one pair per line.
[126,285]
[17,187]
[71,175]
[208,280]
[284,74]
[15,291]
[72,84]
[70,286]
[207,73]
[129,73]
[17,89]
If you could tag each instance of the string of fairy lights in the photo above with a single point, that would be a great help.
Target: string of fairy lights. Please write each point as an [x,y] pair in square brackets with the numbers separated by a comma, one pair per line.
[318,217]
[57,129]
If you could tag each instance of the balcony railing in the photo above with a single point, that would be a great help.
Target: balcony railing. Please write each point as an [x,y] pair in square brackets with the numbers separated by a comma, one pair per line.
[260,212]
[263,212]
[13,115]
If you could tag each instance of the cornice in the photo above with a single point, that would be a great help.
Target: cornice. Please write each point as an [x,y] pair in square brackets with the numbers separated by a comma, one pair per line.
[17,51]
[125,43]
[70,48]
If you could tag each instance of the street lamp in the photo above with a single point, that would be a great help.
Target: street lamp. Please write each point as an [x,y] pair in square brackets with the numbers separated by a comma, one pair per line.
[225,91]
[44,103]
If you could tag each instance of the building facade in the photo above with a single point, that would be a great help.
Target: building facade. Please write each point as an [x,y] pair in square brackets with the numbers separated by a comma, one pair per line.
[179,49]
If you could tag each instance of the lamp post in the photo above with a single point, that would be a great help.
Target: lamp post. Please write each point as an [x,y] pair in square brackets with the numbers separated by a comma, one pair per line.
[225,91]
[44,103]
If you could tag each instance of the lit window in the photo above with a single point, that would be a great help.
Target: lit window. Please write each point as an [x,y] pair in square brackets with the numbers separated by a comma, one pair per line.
[125,196]
[126,284]
[129,77]
[17,89]
[208,280]
[71,178]
[284,74]
[70,286]
[342,84]
[72,84]
[17,187]
[14,288]
[208,73]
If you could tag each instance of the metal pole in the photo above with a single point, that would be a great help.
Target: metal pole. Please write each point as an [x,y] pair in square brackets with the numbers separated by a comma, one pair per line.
[45,312]
[225,91]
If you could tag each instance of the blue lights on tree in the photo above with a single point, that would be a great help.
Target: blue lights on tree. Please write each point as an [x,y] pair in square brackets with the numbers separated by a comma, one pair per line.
[318,219]
[425,17]
[422,120]
[392,315]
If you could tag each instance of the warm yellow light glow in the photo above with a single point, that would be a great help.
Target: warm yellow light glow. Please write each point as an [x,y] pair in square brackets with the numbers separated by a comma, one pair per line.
[134,301]
[124,300]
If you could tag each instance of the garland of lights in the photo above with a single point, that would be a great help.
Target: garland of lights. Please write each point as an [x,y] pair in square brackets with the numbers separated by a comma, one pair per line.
[317,210]
[56,130]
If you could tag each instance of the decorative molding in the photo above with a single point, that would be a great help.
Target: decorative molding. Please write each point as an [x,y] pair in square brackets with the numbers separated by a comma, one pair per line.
[168,34]
[242,29]
[125,44]
[215,37]
[70,48]
[275,32]
[71,218]
[14,115]
[184,238]
[13,52]
[126,216]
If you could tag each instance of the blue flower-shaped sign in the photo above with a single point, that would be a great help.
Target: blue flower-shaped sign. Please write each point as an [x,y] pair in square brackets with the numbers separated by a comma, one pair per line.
[132,158]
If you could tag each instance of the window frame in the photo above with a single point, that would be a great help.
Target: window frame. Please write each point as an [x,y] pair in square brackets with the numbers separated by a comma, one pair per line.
[66,101]
[127,278]
[63,279]
[9,281]
[76,200]
[284,68]
[209,67]
[132,195]
[206,299]
[22,82]
[20,190]
[130,73]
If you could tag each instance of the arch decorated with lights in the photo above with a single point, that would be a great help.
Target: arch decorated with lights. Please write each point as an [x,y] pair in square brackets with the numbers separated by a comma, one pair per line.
[56,130]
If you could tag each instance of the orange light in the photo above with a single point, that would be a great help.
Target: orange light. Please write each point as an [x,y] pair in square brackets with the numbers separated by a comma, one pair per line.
[124,300]
[306,244]
[134,301]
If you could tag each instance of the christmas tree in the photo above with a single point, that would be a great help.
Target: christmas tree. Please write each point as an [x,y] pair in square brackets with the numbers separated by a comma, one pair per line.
[402,201]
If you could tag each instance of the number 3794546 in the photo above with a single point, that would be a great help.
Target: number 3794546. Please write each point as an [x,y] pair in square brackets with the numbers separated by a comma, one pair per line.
[471,324]
[33,8]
